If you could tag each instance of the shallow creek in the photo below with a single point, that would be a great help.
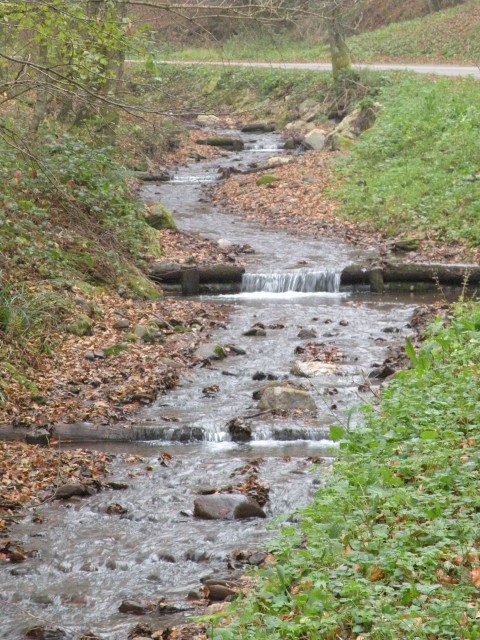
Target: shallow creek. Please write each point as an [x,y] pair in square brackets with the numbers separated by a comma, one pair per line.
[88,560]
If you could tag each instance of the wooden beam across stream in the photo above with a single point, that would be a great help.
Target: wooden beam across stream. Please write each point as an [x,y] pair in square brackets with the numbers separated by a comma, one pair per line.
[412,275]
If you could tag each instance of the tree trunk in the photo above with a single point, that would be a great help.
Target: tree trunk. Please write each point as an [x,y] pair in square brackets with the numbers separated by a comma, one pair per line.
[339,51]
[42,97]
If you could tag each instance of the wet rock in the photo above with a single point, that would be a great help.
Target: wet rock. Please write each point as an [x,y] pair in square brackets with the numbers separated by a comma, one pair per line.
[196,555]
[69,490]
[285,398]
[211,390]
[382,372]
[239,430]
[210,351]
[227,507]
[233,144]
[89,635]
[40,437]
[167,557]
[236,350]
[307,334]
[258,127]
[343,323]
[121,324]
[259,375]
[391,330]
[168,608]
[257,558]
[46,633]
[219,593]
[136,607]
[194,595]
[255,331]
[116,509]
[117,486]
[312,369]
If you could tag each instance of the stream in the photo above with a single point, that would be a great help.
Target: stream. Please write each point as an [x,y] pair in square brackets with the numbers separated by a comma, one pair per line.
[89,560]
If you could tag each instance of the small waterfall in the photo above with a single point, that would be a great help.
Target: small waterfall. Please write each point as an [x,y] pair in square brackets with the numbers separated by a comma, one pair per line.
[303,281]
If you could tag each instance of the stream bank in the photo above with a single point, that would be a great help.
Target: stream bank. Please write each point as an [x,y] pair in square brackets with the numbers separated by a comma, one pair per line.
[90,556]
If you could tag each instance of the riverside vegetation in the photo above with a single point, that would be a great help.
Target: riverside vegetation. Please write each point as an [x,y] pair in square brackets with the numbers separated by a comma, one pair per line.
[389,547]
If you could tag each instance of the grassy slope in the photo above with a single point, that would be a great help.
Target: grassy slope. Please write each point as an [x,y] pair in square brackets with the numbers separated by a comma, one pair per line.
[452,35]
[389,548]
[417,170]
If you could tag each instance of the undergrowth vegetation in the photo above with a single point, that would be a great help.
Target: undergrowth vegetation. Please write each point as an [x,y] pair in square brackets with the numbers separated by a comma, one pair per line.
[418,169]
[389,548]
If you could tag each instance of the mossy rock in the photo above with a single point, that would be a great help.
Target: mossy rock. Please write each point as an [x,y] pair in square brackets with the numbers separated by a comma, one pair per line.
[82,326]
[266,180]
[224,142]
[160,218]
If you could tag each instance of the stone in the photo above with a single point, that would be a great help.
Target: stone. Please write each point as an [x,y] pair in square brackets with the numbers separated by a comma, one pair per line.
[81,327]
[40,437]
[307,334]
[285,398]
[69,490]
[308,105]
[227,507]
[146,334]
[136,607]
[210,351]
[219,593]
[233,144]
[315,139]
[46,633]
[224,244]
[208,119]
[160,218]
[89,355]
[239,430]
[352,126]
[312,369]
[258,127]
[278,161]
[121,324]
[255,331]
[116,509]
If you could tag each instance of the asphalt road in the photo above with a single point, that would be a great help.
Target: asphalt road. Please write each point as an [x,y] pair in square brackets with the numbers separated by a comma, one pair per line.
[427,69]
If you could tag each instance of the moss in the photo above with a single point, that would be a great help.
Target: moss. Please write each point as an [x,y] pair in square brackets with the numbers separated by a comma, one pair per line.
[115,349]
[82,326]
[160,218]
[266,180]
[219,352]
[142,288]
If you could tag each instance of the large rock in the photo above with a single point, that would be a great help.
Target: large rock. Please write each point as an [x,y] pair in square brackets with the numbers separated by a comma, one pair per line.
[258,127]
[315,139]
[233,144]
[352,126]
[160,218]
[209,351]
[285,398]
[312,369]
[46,633]
[227,507]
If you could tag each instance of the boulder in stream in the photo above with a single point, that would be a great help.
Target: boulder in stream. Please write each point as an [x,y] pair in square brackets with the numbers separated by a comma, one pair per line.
[136,607]
[209,351]
[46,633]
[227,507]
[282,397]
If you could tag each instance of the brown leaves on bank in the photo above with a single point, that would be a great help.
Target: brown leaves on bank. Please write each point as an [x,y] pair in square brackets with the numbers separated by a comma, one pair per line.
[30,474]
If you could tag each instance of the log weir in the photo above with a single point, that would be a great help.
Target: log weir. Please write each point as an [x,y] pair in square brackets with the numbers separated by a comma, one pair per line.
[377,277]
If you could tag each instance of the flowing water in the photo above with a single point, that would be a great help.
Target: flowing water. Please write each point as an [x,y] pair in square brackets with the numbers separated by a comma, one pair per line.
[88,560]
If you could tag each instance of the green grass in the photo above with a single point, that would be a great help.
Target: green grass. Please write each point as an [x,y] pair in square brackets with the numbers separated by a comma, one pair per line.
[446,36]
[417,171]
[389,549]
[451,35]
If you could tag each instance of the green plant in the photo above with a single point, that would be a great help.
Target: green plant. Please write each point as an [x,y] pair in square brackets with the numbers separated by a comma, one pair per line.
[389,548]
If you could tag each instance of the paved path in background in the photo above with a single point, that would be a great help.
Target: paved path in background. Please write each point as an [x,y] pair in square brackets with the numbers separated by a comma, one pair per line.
[428,69]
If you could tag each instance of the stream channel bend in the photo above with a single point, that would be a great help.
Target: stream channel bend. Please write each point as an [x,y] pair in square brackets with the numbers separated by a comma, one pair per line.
[88,560]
